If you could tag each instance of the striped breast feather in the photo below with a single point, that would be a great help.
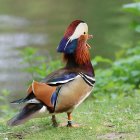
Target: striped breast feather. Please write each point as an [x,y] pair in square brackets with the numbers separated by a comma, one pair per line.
[62,79]
[88,79]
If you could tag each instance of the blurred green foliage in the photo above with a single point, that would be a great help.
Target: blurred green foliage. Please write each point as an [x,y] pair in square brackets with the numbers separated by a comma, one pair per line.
[4,103]
[38,66]
[134,8]
[122,78]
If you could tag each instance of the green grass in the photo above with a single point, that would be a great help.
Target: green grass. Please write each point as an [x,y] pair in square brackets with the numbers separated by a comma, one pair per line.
[104,119]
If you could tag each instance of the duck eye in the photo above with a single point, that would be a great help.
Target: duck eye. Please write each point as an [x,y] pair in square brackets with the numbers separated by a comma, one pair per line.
[84,33]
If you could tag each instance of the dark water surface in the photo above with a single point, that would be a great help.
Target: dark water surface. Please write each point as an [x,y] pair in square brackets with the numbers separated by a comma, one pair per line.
[41,24]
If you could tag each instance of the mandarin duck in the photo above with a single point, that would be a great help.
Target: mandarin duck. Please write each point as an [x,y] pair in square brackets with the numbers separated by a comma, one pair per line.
[64,89]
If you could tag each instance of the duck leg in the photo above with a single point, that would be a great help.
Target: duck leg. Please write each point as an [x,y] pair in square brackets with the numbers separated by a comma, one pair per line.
[54,122]
[69,119]
[70,123]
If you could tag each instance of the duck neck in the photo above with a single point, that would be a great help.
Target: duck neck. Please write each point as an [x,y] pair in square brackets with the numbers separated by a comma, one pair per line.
[72,63]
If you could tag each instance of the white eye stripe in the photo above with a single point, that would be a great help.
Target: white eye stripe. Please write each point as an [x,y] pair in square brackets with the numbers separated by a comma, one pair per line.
[67,44]
[80,29]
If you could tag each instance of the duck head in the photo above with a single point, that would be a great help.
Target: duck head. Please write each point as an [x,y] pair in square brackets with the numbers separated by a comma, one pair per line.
[77,29]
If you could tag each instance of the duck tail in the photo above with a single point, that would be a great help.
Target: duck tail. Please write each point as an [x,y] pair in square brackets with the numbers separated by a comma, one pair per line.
[28,111]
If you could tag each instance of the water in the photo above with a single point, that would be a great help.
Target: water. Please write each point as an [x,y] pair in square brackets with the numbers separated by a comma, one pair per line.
[41,24]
